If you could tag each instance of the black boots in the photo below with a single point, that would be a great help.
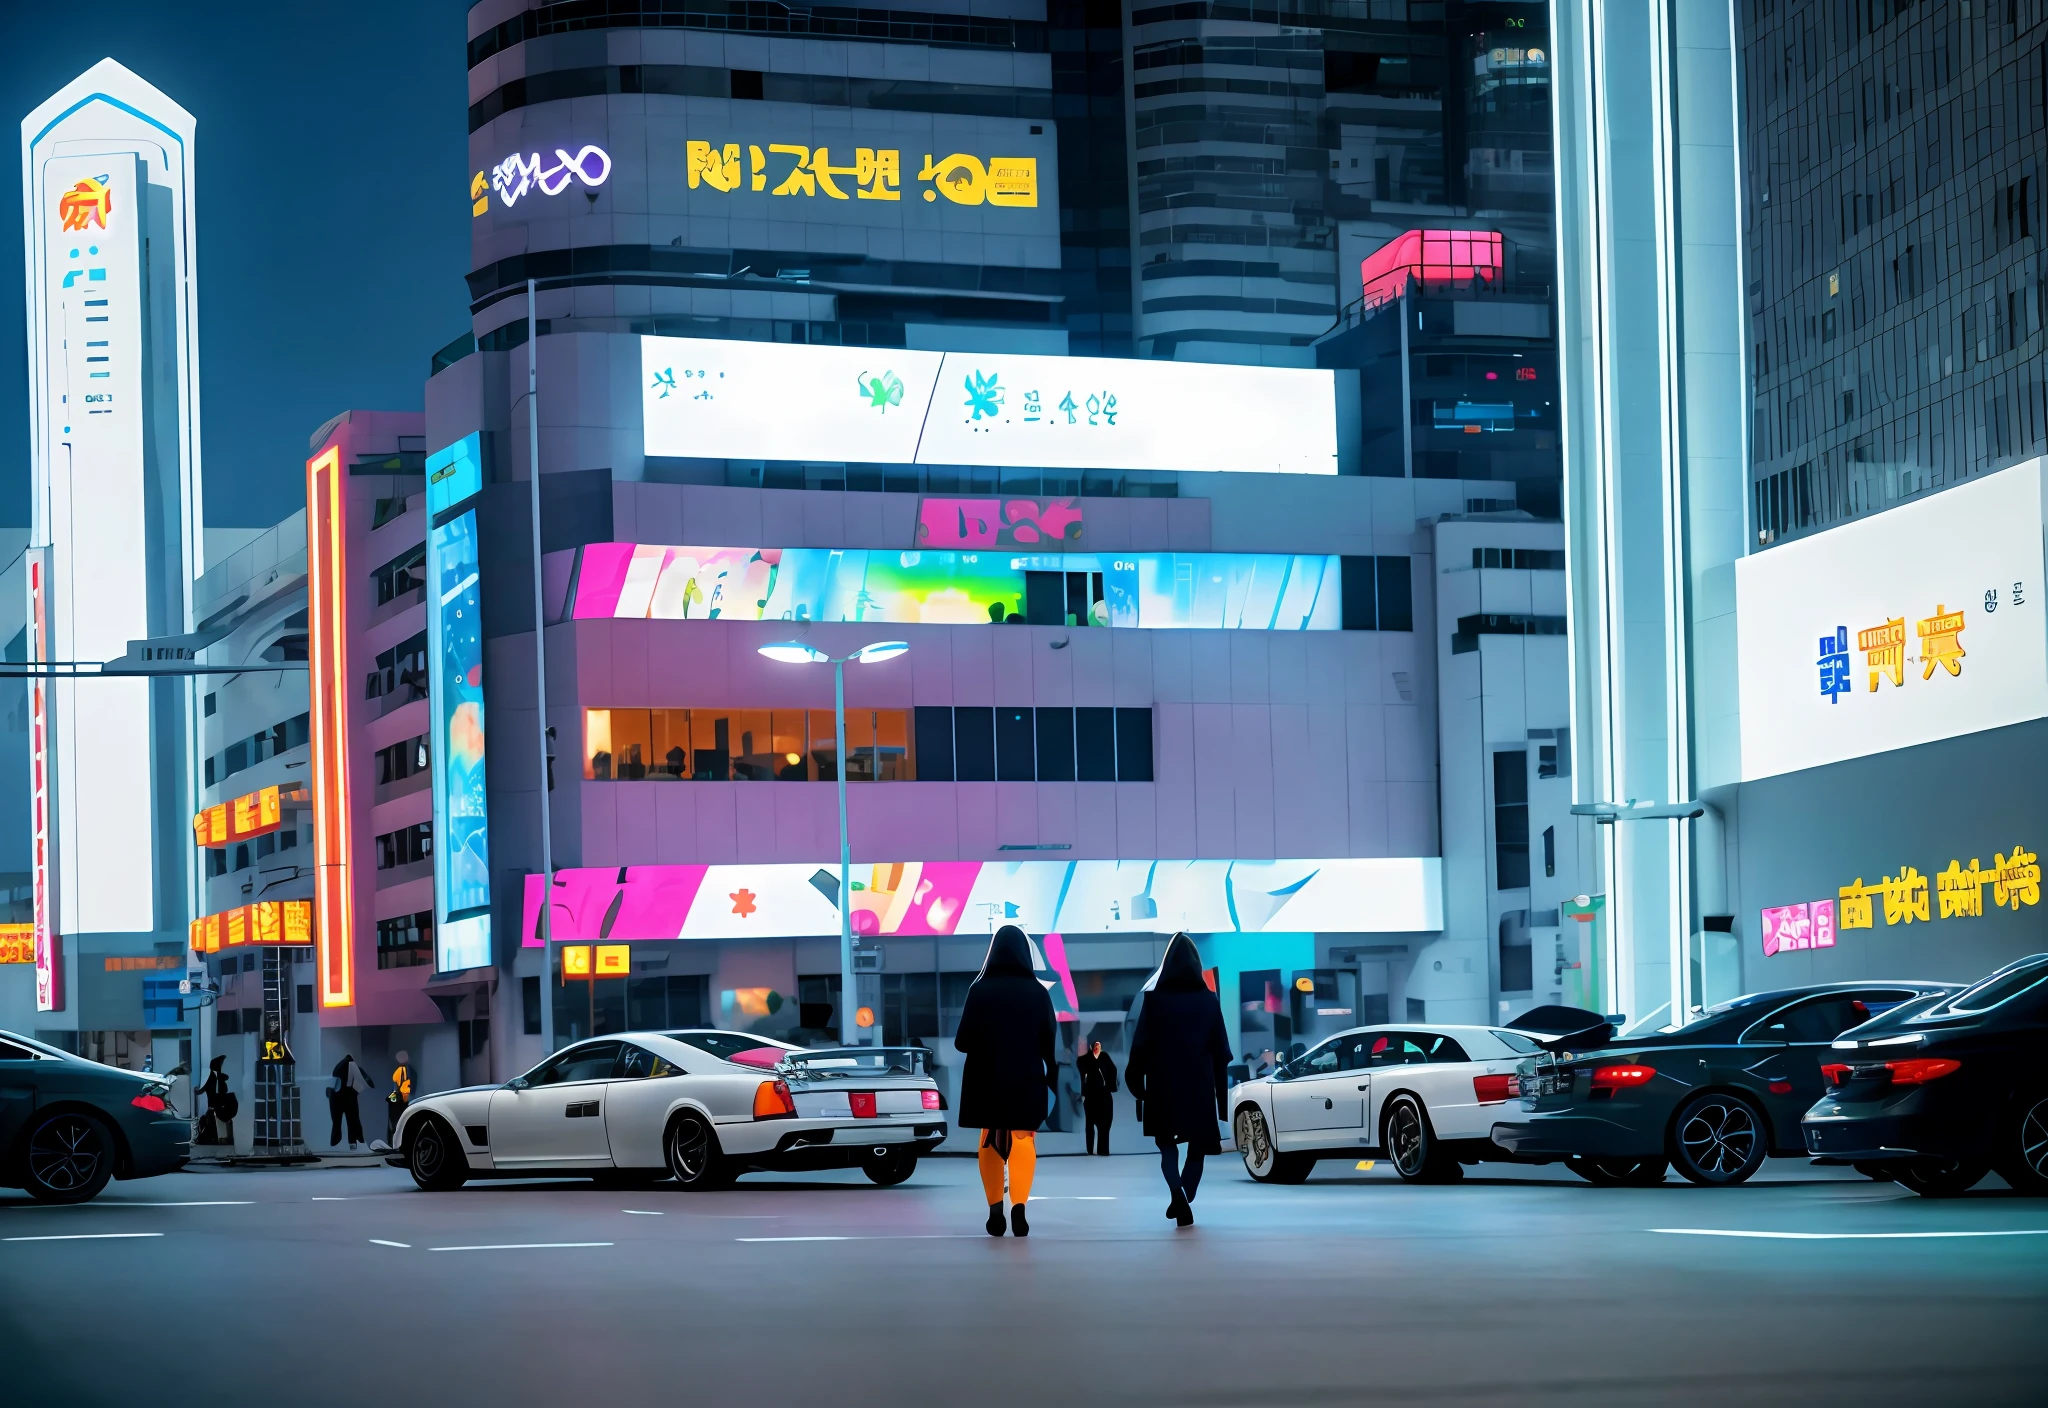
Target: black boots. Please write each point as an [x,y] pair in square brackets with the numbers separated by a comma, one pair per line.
[1180,1212]
[1018,1225]
[995,1219]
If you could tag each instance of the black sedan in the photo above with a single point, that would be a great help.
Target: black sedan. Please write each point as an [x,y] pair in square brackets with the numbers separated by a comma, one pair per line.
[69,1125]
[1935,1095]
[1712,1098]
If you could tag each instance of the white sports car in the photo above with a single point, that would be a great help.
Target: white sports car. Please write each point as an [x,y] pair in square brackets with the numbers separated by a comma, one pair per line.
[1422,1097]
[700,1107]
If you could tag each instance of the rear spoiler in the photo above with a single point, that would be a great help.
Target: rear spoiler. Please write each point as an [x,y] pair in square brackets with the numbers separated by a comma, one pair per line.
[1555,1028]
[861,1060]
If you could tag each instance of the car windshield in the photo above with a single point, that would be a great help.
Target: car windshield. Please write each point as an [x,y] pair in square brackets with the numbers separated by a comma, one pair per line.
[2003,986]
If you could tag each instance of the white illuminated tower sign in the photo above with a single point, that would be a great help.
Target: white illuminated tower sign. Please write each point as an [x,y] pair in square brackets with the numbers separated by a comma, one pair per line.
[113,411]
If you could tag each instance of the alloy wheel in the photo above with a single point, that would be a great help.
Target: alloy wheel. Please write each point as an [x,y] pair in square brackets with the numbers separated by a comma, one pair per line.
[2034,1140]
[1404,1137]
[1720,1137]
[65,1154]
[690,1149]
[428,1155]
[1252,1140]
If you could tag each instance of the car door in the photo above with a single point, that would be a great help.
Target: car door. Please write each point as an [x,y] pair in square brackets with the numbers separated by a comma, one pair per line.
[1325,1099]
[17,1089]
[1385,1057]
[637,1102]
[553,1116]
[1792,1042]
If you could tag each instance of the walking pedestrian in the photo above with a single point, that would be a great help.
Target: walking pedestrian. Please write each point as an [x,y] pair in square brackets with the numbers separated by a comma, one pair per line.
[1098,1086]
[397,1098]
[1176,1069]
[344,1102]
[1007,1033]
[218,1124]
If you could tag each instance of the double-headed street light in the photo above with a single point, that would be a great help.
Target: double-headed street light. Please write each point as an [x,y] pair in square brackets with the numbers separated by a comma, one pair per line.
[791,652]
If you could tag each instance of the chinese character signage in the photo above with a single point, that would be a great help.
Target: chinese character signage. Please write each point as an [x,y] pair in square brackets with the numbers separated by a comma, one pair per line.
[1917,624]
[2013,879]
[1793,927]
[866,173]
[763,400]
[266,923]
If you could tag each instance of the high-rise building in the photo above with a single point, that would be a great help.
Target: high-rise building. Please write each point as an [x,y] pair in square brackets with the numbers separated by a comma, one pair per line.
[107,182]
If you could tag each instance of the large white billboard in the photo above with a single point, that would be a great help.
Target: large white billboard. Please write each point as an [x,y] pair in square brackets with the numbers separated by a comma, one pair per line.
[708,399]
[1920,623]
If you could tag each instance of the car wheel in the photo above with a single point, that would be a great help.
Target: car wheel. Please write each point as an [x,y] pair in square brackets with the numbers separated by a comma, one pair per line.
[1412,1145]
[2026,1167]
[1718,1139]
[695,1161]
[70,1157]
[1940,1178]
[1619,1173]
[1261,1160]
[891,1168]
[433,1157]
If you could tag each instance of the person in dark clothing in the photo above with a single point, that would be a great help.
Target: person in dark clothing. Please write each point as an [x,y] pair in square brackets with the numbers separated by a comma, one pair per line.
[1007,1033]
[1176,1069]
[221,1105]
[1098,1085]
[344,1102]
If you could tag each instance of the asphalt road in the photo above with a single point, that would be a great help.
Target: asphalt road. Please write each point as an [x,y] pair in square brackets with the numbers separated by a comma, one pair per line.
[346,1286]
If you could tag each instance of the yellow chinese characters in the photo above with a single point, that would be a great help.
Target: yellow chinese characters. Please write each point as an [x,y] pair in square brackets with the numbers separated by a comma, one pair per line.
[716,167]
[876,173]
[2017,879]
[1939,645]
[1884,651]
[1962,891]
[1905,898]
[1856,906]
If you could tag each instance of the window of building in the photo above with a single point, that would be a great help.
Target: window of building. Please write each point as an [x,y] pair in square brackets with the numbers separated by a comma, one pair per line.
[1055,730]
[1511,818]
[746,745]
[401,669]
[974,743]
[1465,639]
[1377,595]
[406,846]
[1521,559]
[404,573]
[402,760]
[408,940]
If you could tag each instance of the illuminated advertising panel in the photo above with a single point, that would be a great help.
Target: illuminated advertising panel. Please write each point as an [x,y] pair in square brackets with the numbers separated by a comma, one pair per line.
[1919,623]
[49,959]
[264,924]
[938,898]
[18,943]
[997,523]
[1252,591]
[454,473]
[251,814]
[455,687]
[327,656]
[762,400]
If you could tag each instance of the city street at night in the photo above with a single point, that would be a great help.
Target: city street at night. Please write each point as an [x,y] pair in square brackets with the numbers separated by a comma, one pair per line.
[1523,1286]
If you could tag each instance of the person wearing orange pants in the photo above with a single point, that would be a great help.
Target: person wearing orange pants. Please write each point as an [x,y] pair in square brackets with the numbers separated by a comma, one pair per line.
[1007,1033]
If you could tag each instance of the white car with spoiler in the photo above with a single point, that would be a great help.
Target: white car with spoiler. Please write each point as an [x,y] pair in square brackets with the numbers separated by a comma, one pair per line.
[700,1107]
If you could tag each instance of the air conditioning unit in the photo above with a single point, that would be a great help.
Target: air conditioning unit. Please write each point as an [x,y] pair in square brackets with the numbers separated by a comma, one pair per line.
[867,960]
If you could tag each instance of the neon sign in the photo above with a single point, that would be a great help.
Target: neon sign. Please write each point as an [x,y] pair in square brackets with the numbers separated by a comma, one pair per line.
[49,959]
[516,175]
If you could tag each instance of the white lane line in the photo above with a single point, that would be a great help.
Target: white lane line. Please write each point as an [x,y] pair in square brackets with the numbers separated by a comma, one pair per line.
[901,1237]
[1842,1236]
[140,1203]
[639,1212]
[380,1242]
[82,1237]
[1070,1198]
[796,1239]
[518,1246]
[330,1200]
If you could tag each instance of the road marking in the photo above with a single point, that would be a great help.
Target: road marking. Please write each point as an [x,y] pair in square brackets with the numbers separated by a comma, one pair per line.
[639,1212]
[795,1239]
[518,1246]
[1071,1198]
[1843,1236]
[83,1237]
[141,1203]
[380,1242]
[1365,1165]
[330,1200]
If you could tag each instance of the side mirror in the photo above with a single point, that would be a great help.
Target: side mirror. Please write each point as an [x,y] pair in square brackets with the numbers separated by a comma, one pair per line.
[516,1083]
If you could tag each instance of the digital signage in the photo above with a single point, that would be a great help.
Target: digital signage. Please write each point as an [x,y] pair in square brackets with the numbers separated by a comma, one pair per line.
[455,687]
[1920,623]
[710,399]
[454,473]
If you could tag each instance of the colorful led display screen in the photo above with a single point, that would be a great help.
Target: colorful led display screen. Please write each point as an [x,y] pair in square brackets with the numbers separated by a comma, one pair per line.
[455,685]
[769,400]
[648,902]
[454,473]
[1250,591]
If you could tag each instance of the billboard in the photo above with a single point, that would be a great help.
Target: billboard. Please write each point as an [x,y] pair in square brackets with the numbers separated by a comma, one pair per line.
[1161,590]
[709,399]
[455,687]
[939,898]
[1920,623]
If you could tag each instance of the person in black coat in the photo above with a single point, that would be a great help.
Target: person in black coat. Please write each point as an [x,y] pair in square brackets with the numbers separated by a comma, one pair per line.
[1098,1091]
[1007,1033]
[1177,1070]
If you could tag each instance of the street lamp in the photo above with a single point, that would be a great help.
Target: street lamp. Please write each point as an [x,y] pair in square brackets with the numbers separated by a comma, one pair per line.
[791,652]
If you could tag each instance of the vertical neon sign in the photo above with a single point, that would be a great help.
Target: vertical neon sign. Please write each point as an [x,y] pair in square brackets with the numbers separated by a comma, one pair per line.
[327,631]
[455,689]
[48,946]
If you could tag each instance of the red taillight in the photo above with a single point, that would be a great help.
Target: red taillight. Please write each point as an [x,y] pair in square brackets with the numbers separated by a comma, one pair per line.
[863,1102]
[934,1101]
[1781,1087]
[1835,1073]
[1619,1077]
[1920,1070]
[772,1101]
[149,1102]
[1491,1090]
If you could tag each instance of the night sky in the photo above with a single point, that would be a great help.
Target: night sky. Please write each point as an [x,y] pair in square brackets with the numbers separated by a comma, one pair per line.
[332,222]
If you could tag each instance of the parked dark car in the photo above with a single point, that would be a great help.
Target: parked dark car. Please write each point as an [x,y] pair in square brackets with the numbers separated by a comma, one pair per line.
[1935,1095]
[69,1125]
[1713,1098]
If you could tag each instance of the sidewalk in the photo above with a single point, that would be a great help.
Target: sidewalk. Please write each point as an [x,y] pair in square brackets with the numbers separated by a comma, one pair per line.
[214,1159]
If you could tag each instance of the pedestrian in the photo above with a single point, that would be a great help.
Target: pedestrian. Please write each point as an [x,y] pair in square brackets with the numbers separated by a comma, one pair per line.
[397,1098]
[1098,1086]
[1007,1033]
[1176,1069]
[344,1102]
[218,1124]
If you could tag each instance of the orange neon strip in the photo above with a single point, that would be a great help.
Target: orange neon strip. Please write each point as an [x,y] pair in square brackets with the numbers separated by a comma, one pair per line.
[334,931]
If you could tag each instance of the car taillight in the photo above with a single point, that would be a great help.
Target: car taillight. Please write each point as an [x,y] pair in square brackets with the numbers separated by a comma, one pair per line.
[862,1102]
[1514,1085]
[149,1102]
[1835,1073]
[772,1101]
[934,1101]
[1619,1077]
[1491,1090]
[1920,1070]
[1781,1087]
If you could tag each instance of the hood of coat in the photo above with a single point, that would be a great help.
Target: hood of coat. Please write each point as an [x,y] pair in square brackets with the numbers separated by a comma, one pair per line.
[1009,955]
[1180,969]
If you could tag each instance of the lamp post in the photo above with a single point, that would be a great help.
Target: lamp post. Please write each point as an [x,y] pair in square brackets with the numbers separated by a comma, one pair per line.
[791,652]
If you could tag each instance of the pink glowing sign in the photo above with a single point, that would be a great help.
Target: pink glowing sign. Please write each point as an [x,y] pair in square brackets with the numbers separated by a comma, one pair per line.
[1430,256]
[1794,928]
[997,523]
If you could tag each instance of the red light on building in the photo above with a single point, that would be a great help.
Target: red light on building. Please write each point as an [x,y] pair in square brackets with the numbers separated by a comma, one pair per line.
[327,639]
[1525,373]
[1433,257]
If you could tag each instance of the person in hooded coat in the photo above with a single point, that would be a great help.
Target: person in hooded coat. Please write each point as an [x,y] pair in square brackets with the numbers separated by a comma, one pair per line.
[1176,1070]
[1008,1035]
